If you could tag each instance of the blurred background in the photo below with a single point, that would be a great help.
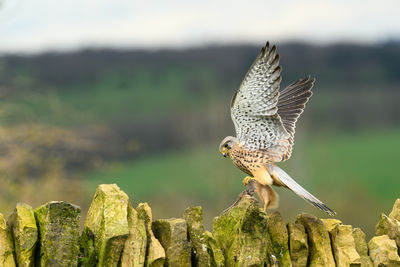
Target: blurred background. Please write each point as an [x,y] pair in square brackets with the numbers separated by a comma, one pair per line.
[137,93]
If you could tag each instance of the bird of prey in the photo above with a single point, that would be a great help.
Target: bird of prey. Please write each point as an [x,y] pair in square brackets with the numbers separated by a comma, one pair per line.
[265,121]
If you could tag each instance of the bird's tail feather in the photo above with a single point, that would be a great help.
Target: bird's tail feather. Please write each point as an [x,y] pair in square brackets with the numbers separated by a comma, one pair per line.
[287,181]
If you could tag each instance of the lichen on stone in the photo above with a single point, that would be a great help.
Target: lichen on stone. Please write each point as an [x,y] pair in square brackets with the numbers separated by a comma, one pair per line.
[6,245]
[194,219]
[298,244]
[242,234]
[23,228]
[361,247]
[320,251]
[58,225]
[383,251]
[344,248]
[278,233]
[107,223]
[215,252]
[155,254]
[172,234]
[390,227]
[134,252]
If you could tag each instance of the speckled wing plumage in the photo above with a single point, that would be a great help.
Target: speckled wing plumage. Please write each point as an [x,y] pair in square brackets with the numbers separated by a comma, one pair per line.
[254,107]
[263,119]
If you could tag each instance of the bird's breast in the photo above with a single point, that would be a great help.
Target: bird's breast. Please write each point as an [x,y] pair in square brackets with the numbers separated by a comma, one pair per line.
[248,161]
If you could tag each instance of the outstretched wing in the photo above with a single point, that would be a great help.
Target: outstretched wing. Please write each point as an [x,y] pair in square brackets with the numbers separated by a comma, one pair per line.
[254,107]
[291,103]
[264,119]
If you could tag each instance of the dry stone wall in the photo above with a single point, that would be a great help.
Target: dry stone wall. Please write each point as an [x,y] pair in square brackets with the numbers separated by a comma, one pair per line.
[117,234]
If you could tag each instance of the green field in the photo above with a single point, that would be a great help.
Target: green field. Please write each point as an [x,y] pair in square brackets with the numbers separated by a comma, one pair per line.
[352,173]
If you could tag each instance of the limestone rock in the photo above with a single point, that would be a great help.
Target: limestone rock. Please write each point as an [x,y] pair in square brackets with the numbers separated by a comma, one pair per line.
[279,236]
[58,224]
[215,252]
[395,214]
[344,248]
[361,247]
[298,245]
[134,252]
[330,223]
[106,227]
[23,228]
[390,227]
[155,255]
[318,239]
[194,219]
[242,235]
[172,234]
[6,245]
[383,251]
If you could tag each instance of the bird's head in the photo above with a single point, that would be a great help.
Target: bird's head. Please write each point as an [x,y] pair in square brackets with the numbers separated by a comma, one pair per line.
[226,145]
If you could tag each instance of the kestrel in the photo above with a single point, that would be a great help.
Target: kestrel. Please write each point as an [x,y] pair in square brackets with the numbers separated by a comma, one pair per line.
[265,121]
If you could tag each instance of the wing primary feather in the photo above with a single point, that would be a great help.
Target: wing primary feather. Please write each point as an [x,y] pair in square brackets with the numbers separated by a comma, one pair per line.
[287,181]
[292,101]
[294,96]
[296,91]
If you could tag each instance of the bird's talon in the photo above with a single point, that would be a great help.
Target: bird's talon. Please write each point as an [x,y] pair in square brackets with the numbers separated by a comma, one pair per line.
[247,180]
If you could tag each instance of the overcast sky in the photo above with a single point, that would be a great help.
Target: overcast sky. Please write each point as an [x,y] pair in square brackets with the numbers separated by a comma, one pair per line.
[40,25]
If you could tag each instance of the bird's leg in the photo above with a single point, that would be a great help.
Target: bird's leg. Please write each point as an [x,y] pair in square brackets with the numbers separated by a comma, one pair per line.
[250,190]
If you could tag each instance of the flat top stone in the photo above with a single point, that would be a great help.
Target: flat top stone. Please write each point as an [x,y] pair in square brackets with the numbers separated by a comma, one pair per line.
[331,223]
[25,215]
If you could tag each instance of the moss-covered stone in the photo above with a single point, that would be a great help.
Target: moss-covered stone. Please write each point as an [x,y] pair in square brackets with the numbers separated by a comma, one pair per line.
[155,254]
[194,219]
[23,228]
[361,247]
[58,224]
[134,252]
[383,251]
[395,213]
[6,245]
[106,227]
[216,256]
[390,227]
[320,251]
[242,235]
[280,239]
[172,234]
[87,254]
[331,223]
[298,245]
[344,248]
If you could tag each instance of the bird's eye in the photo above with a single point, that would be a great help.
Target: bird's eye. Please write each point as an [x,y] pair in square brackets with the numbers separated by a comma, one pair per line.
[226,145]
